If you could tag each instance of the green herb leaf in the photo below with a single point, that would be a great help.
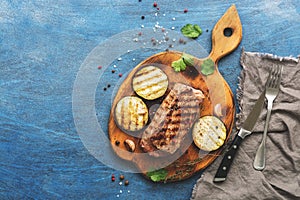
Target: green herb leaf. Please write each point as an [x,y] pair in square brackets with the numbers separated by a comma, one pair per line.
[178,65]
[197,28]
[208,67]
[157,175]
[191,31]
[188,59]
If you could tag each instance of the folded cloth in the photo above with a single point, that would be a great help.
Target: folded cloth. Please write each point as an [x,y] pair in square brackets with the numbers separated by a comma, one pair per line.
[281,177]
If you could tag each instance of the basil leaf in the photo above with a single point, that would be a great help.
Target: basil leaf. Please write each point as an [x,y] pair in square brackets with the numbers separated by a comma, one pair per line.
[178,65]
[157,175]
[208,67]
[191,31]
[188,59]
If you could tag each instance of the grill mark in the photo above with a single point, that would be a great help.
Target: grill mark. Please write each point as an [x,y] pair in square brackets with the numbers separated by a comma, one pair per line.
[122,113]
[137,118]
[145,72]
[130,106]
[150,86]
[148,79]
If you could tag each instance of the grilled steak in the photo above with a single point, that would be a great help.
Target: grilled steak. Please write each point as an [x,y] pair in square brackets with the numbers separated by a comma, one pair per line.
[172,121]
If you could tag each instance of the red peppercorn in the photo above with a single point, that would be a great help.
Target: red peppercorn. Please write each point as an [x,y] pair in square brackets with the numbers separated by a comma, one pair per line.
[120,75]
[157,8]
[113,178]
[155,4]
[99,67]
[185,10]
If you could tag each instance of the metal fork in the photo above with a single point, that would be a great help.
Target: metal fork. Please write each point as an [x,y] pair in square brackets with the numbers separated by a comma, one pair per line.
[272,90]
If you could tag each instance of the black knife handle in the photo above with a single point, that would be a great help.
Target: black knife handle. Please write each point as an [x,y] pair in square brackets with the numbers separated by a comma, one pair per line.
[228,159]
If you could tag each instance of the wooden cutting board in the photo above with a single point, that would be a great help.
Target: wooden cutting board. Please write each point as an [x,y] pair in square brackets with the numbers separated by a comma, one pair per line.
[226,36]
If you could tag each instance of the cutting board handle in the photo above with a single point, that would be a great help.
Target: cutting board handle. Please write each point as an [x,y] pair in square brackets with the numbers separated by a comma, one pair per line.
[226,35]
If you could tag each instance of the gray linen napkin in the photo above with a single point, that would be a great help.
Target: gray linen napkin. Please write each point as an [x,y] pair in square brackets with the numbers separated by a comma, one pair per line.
[281,177]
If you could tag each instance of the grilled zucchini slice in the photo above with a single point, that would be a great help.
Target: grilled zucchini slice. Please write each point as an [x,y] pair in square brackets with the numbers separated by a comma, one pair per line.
[131,113]
[209,133]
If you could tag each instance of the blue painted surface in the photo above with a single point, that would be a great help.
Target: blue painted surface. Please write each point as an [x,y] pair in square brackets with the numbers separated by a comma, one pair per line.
[42,46]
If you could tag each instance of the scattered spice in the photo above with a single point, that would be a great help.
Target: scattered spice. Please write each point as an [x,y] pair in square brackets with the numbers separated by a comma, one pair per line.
[117,142]
[155,4]
[99,67]
[185,10]
[113,178]
[122,177]
[108,85]
[120,75]
[105,89]
[113,71]
[126,182]
[143,17]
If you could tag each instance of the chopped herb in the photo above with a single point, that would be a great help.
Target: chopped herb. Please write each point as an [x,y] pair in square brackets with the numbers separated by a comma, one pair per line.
[179,65]
[157,175]
[191,31]
[208,67]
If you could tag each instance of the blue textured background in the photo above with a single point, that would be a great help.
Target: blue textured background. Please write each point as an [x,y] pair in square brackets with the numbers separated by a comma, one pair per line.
[43,44]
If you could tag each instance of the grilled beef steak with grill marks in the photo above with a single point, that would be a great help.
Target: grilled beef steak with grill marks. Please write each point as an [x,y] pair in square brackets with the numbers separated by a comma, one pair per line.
[172,121]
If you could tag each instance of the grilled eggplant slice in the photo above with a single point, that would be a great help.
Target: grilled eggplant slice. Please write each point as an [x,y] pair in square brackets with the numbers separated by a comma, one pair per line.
[150,82]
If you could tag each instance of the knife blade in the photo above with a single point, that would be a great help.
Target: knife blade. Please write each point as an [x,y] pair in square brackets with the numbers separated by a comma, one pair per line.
[245,130]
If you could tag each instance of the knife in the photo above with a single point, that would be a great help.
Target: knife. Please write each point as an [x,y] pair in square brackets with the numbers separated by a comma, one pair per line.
[246,129]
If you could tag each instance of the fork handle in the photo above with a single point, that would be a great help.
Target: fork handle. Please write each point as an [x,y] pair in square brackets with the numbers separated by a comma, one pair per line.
[260,156]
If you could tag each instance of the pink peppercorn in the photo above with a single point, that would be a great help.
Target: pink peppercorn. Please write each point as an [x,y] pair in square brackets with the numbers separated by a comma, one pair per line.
[99,67]
[155,4]
[185,10]
[120,75]
[113,178]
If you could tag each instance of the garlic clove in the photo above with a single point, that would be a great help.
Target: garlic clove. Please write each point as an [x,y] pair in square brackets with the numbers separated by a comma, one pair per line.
[218,110]
[130,145]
